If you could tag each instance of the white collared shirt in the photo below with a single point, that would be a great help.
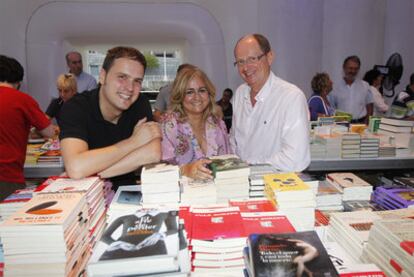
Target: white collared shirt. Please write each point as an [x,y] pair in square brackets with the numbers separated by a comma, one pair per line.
[276,129]
[352,98]
[85,82]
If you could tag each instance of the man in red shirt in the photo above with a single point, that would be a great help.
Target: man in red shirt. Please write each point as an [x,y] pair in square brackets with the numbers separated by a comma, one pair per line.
[18,112]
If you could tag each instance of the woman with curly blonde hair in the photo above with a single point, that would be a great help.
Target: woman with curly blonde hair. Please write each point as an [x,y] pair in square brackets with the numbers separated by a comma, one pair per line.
[193,129]
[318,103]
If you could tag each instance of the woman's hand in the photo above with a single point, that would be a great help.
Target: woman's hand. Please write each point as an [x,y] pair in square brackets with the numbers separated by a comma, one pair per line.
[197,170]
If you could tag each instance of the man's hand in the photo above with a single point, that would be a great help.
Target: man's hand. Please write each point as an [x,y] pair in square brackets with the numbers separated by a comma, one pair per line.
[144,132]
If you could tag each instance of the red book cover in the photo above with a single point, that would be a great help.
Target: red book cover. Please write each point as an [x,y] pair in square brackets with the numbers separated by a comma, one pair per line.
[212,224]
[253,205]
[262,223]
[321,219]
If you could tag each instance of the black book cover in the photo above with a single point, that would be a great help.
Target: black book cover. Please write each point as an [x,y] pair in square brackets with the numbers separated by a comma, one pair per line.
[289,255]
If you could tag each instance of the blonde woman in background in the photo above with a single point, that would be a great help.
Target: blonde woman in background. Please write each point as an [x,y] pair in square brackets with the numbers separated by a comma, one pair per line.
[67,87]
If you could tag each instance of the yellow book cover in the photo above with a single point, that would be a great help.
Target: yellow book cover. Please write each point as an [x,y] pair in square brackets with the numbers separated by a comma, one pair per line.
[285,182]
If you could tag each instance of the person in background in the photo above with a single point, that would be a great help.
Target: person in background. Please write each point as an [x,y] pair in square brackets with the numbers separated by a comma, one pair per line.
[270,116]
[104,131]
[403,104]
[318,103]
[374,78]
[163,98]
[18,112]
[192,129]
[352,95]
[67,87]
[84,80]
[226,107]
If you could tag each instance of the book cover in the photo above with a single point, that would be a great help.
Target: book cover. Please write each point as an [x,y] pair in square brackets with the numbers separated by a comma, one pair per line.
[130,195]
[285,182]
[46,209]
[227,163]
[266,222]
[56,184]
[289,255]
[214,224]
[147,233]
[346,180]
[253,205]
[397,122]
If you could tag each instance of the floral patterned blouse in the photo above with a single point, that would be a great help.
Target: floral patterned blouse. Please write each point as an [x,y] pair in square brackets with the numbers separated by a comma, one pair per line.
[180,146]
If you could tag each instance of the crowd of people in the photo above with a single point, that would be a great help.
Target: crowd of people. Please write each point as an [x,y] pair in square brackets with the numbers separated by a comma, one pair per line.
[110,130]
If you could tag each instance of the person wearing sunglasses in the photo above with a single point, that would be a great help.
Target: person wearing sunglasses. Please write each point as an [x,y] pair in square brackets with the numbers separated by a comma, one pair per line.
[270,116]
[193,129]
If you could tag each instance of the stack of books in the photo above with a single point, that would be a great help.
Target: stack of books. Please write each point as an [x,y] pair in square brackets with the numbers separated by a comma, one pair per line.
[346,266]
[217,238]
[48,236]
[231,176]
[332,144]
[253,205]
[93,189]
[352,229]
[369,146]
[200,192]
[293,197]
[390,245]
[329,197]
[160,184]
[284,255]
[392,197]
[14,202]
[351,186]
[317,149]
[400,130]
[50,153]
[256,180]
[351,145]
[127,199]
[312,180]
[149,242]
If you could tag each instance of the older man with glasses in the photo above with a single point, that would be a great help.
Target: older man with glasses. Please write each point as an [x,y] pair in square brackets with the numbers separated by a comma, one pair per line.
[270,115]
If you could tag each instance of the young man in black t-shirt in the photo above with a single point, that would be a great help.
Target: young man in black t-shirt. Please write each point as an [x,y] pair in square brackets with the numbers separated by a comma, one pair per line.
[107,131]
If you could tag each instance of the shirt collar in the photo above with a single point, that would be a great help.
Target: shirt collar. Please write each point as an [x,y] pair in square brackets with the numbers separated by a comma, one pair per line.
[264,91]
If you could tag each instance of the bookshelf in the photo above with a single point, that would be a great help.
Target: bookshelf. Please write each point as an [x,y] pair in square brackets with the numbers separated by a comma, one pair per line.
[382,163]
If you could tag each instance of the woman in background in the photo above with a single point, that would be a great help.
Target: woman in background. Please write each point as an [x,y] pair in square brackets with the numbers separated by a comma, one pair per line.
[374,79]
[192,129]
[318,103]
[67,87]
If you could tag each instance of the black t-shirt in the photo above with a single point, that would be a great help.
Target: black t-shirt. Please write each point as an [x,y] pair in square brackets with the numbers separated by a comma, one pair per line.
[81,118]
[53,110]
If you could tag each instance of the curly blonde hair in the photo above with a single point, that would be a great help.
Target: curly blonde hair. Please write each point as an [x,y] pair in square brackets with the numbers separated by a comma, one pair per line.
[180,87]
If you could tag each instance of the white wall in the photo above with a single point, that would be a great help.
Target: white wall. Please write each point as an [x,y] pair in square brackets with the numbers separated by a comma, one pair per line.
[307,36]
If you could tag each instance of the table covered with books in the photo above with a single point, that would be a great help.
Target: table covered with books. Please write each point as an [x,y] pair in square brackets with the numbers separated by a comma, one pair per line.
[248,221]
[43,159]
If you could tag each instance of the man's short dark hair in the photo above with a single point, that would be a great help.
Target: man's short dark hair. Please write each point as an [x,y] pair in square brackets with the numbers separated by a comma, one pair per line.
[229,90]
[123,52]
[71,52]
[412,79]
[261,40]
[353,58]
[11,71]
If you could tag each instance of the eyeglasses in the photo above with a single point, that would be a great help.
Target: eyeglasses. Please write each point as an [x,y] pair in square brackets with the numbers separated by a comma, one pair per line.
[249,60]
[191,92]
